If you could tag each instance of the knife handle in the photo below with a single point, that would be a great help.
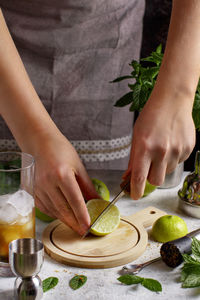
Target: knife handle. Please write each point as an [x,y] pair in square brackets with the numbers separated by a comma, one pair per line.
[125,185]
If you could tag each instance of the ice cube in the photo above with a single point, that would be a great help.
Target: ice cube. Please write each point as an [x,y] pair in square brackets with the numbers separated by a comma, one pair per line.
[8,214]
[22,201]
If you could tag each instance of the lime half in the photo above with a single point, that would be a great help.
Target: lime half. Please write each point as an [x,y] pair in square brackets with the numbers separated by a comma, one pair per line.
[101,189]
[42,216]
[149,188]
[109,221]
[168,228]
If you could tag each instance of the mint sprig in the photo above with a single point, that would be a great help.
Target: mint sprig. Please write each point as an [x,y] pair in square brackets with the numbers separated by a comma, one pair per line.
[190,272]
[149,283]
[144,75]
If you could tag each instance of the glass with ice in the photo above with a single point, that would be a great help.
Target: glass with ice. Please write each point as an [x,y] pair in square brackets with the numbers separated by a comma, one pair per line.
[17,215]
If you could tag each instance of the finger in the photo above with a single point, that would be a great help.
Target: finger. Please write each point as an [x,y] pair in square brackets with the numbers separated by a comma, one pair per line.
[72,193]
[157,172]
[63,210]
[140,170]
[126,174]
[173,158]
[87,188]
[41,203]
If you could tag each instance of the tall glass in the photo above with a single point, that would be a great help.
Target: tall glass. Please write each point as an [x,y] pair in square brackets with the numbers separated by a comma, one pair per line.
[17,214]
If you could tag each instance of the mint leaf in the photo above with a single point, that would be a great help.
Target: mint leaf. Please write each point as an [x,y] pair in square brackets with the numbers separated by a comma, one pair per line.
[130,279]
[77,281]
[152,284]
[136,98]
[192,280]
[149,283]
[196,248]
[124,100]
[49,283]
[189,259]
[159,49]
[190,269]
[121,78]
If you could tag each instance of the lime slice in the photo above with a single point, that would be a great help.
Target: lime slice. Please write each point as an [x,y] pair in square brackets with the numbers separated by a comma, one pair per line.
[101,189]
[168,228]
[109,221]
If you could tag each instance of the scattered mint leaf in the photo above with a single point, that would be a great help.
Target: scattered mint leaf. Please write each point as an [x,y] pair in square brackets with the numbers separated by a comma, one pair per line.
[77,281]
[188,269]
[130,279]
[49,283]
[192,280]
[189,259]
[196,248]
[149,283]
[190,273]
[152,284]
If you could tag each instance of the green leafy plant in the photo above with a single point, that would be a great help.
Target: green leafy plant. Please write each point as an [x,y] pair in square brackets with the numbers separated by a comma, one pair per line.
[149,283]
[49,283]
[190,273]
[144,75]
[77,281]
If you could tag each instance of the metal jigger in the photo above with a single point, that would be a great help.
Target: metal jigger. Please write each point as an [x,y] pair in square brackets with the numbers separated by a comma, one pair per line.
[26,258]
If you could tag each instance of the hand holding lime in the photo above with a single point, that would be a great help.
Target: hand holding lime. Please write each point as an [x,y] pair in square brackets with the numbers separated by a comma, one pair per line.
[101,189]
[168,228]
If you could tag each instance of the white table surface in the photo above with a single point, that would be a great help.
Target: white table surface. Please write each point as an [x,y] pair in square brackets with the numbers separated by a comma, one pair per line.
[102,284]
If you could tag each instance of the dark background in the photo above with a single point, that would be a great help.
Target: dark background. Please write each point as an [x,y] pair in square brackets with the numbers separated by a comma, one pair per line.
[156,23]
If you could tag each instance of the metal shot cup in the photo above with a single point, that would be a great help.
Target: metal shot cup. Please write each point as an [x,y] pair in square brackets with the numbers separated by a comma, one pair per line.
[26,258]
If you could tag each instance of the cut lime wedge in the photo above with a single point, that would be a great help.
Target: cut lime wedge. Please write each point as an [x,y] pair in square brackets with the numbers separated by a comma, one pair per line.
[108,222]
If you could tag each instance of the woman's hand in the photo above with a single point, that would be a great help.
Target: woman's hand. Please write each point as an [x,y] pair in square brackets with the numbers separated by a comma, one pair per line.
[163,136]
[62,183]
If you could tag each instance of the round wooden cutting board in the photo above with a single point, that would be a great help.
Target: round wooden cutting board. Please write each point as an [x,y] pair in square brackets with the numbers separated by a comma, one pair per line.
[120,247]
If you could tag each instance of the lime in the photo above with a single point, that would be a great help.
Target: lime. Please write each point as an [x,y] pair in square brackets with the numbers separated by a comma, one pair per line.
[168,228]
[42,216]
[109,221]
[149,188]
[101,189]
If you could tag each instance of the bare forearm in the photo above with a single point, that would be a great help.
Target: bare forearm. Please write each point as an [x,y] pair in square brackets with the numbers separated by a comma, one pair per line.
[180,69]
[19,104]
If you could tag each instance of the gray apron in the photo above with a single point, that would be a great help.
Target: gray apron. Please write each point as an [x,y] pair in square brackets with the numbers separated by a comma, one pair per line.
[71,50]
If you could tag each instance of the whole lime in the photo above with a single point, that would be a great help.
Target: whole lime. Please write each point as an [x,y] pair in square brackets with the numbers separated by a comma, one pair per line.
[168,228]
[101,189]
[42,216]
[149,188]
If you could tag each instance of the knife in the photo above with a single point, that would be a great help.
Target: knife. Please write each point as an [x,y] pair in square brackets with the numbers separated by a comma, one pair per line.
[125,188]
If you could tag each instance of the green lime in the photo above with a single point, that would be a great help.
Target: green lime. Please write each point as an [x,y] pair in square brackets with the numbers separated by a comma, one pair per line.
[109,221]
[101,189]
[168,228]
[149,188]
[42,216]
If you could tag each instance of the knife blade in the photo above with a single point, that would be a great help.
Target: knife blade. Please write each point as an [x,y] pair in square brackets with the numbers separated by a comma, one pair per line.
[125,186]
